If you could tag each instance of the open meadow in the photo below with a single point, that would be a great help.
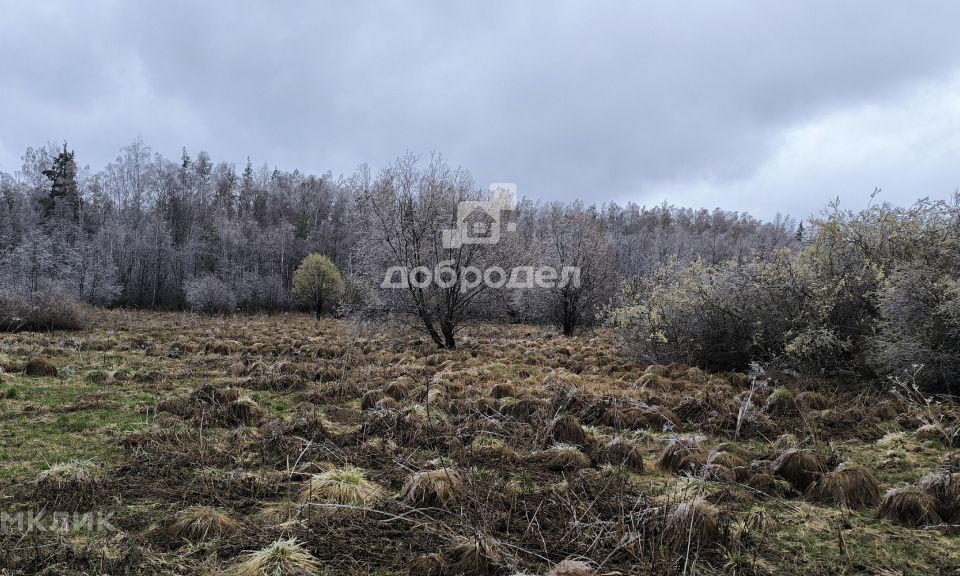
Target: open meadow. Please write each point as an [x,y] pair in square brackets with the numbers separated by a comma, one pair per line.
[533,288]
[287,445]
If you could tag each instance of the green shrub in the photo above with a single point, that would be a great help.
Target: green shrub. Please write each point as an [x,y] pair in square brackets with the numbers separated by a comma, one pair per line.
[317,282]
[723,317]
[894,274]
[919,325]
[358,297]
[873,293]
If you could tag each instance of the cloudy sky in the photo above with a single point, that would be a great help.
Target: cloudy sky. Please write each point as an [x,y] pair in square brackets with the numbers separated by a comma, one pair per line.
[760,106]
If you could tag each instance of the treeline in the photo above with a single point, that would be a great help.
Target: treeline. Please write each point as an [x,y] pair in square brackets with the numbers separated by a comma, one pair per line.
[872,294]
[138,232]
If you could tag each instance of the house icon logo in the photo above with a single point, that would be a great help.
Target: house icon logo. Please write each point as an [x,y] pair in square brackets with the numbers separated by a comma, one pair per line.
[478,221]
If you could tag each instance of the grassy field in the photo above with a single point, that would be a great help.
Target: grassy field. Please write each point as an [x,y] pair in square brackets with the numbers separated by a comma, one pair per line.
[284,445]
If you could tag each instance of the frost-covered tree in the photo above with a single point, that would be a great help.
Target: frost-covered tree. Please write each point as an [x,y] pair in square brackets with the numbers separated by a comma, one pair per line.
[407,210]
[210,295]
[573,238]
[149,225]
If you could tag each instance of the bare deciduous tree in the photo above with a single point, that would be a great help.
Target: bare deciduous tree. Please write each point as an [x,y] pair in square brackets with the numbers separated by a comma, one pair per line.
[574,238]
[407,210]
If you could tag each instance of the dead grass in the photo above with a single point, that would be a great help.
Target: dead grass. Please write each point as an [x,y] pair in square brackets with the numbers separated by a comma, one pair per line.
[40,367]
[693,524]
[561,458]
[281,558]
[477,556]
[202,523]
[70,484]
[909,506]
[682,453]
[799,467]
[433,487]
[348,485]
[572,567]
[944,487]
[524,450]
[849,485]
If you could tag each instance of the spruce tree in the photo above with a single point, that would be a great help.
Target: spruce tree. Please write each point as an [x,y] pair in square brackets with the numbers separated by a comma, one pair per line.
[63,184]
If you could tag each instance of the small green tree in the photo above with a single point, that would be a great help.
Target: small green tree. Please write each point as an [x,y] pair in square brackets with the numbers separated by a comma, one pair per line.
[317,281]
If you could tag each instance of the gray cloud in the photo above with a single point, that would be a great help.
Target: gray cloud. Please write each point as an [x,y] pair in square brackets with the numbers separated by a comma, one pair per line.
[719,103]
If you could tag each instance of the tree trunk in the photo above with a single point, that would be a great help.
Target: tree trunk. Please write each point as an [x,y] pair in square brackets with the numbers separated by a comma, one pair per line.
[318,307]
[428,324]
[449,340]
[434,335]
[568,314]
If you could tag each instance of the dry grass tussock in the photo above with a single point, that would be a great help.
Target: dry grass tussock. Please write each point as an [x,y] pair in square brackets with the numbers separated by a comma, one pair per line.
[348,485]
[944,487]
[848,485]
[433,487]
[561,458]
[572,567]
[909,506]
[40,367]
[799,467]
[281,558]
[695,524]
[682,453]
[202,523]
[476,556]
[68,484]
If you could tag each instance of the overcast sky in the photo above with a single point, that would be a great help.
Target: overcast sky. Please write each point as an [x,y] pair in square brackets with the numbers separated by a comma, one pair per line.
[760,106]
